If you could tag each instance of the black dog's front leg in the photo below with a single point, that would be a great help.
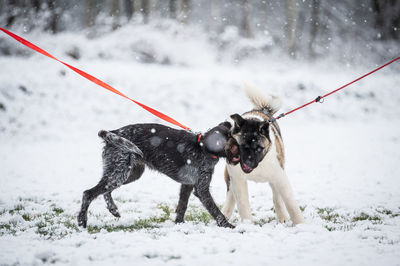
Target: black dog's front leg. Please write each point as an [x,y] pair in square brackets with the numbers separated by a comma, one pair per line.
[184,195]
[202,191]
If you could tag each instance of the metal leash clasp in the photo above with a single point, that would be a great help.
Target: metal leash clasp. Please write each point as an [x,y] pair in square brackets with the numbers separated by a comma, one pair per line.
[319,99]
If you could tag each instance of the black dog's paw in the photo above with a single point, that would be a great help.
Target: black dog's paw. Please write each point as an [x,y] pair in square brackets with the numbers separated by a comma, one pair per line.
[179,220]
[224,223]
[116,214]
[228,225]
[82,220]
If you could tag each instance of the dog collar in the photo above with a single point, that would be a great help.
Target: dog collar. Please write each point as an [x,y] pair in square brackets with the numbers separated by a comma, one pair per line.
[198,141]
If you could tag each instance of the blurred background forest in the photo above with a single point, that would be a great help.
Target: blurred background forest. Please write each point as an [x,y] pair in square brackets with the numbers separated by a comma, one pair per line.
[300,29]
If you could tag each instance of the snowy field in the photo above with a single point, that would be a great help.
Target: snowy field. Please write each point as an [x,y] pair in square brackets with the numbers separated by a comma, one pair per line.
[342,159]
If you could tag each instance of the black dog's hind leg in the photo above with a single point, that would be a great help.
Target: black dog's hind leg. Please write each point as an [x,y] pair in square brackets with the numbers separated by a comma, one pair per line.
[135,173]
[111,204]
[202,191]
[116,172]
[184,195]
[88,196]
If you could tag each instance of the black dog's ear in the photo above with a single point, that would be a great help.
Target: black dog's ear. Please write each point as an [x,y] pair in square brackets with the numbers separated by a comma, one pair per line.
[264,129]
[226,124]
[239,121]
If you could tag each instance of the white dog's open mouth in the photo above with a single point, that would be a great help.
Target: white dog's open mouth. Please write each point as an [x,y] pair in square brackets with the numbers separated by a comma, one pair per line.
[247,169]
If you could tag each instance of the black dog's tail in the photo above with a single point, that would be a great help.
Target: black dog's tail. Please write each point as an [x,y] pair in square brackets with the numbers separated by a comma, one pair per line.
[120,142]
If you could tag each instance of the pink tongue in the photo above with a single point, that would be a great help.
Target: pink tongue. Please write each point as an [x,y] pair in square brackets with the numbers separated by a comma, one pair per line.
[246,167]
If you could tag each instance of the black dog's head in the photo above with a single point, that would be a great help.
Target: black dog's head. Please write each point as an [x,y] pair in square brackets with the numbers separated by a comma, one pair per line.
[218,141]
[253,139]
[232,151]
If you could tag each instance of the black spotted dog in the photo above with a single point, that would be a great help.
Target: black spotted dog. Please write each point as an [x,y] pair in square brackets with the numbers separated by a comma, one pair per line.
[182,155]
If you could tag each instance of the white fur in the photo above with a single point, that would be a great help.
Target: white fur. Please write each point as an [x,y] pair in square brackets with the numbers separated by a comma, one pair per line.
[263,101]
[268,170]
[254,117]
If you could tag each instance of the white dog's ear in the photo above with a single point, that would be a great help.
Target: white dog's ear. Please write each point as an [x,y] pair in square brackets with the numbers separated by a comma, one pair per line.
[239,121]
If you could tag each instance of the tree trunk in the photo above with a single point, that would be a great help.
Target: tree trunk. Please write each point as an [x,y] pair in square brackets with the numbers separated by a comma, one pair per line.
[12,10]
[172,8]
[314,26]
[89,17]
[245,28]
[115,10]
[291,18]
[52,22]
[387,18]
[129,8]
[185,10]
[146,10]
[215,14]
[36,5]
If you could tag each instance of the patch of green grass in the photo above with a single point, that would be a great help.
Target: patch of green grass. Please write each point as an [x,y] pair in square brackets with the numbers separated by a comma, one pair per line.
[26,217]
[263,221]
[366,217]
[147,223]
[5,226]
[173,257]
[58,210]
[137,225]
[329,215]
[388,212]
[302,208]
[198,215]
[17,208]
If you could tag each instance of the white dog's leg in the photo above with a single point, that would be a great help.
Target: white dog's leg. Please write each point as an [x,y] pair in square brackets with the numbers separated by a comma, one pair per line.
[283,187]
[279,205]
[229,205]
[241,193]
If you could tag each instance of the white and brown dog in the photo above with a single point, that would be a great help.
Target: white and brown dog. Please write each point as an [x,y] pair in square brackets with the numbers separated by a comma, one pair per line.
[261,157]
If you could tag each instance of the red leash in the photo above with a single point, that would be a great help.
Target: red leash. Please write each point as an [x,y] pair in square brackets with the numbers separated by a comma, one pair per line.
[95,80]
[159,114]
[320,98]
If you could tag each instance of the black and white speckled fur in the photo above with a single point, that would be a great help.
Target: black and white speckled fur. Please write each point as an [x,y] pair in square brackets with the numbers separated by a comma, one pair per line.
[175,153]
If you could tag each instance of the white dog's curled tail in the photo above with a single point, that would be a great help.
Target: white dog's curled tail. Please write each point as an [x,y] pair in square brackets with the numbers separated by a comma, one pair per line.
[261,101]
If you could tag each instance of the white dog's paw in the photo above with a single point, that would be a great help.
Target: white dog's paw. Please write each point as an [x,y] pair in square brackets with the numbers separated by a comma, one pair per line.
[283,218]
[247,221]
[299,220]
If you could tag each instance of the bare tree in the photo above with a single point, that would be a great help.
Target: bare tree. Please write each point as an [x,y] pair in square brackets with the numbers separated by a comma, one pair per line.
[215,14]
[52,22]
[315,6]
[172,8]
[36,5]
[12,11]
[129,8]
[115,12]
[145,9]
[89,16]
[291,18]
[245,28]
[387,18]
[185,10]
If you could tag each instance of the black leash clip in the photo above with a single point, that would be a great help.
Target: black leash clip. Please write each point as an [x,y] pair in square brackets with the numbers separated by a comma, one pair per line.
[319,99]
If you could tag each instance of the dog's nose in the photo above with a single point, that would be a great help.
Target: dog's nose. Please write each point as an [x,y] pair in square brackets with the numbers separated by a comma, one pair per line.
[250,163]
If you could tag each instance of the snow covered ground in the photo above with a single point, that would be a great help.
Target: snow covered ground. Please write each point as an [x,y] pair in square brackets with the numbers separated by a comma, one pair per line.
[342,159]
